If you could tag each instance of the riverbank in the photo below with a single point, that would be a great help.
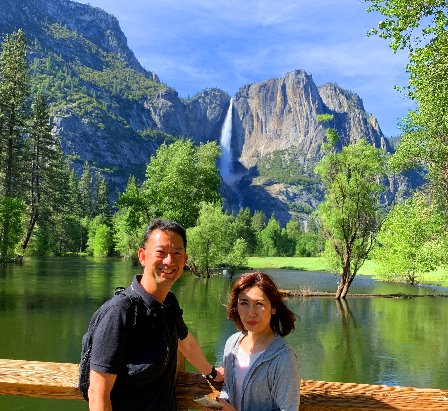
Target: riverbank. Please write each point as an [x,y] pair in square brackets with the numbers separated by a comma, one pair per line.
[438,277]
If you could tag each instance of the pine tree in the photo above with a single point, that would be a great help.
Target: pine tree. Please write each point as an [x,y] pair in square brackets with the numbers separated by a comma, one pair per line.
[14,90]
[56,211]
[258,224]
[45,161]
[101,197]
[85,190]
[245,230]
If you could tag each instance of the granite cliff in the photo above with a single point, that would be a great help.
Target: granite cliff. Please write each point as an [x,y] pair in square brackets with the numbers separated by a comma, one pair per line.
[275,124]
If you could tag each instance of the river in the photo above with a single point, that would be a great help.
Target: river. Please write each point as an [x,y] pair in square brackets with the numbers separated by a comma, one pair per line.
[46,304]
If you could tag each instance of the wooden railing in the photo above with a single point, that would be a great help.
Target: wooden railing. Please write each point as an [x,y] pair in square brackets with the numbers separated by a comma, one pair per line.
[59,380]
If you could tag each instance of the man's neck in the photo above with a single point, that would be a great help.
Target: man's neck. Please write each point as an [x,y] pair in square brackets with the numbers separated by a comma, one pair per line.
[159,292]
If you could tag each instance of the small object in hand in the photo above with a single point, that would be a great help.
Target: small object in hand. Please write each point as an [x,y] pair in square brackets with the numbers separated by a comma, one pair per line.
[209,402]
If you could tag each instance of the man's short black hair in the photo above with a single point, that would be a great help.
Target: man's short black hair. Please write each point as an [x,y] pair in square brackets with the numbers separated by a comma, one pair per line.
[165,225]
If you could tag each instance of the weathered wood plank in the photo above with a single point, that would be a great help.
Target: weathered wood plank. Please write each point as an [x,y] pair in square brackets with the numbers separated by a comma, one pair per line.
[192,385]
[321,395]
[59,380]
[39,379]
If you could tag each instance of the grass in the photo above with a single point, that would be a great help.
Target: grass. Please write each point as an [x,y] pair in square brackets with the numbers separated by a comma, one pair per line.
[294,263]
[437,277]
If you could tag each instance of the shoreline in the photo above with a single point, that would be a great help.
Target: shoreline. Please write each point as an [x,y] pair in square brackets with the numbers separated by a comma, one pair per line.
[437,278]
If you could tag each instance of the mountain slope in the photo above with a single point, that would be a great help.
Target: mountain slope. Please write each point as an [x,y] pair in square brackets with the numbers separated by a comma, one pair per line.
[106,107]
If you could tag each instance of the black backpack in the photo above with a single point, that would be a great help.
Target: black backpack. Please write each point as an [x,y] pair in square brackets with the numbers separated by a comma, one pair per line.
[87,339]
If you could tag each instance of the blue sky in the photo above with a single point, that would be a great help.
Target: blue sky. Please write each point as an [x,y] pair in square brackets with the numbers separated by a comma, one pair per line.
[197,44]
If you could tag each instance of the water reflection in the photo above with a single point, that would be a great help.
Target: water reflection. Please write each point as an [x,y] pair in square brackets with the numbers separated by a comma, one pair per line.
[45,306]
[369,340]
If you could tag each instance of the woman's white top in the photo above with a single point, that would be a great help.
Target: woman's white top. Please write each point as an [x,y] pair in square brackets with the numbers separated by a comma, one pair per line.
[242,364]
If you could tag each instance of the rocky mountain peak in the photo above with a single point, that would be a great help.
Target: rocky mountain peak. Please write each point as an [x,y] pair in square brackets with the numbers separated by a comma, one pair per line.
[282,113]
[340,100]
[69,19]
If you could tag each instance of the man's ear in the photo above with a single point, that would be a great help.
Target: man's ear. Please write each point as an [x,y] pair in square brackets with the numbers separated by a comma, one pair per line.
[141,256]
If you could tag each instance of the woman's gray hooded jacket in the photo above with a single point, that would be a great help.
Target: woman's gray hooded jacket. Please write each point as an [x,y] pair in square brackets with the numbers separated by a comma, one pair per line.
[271,384]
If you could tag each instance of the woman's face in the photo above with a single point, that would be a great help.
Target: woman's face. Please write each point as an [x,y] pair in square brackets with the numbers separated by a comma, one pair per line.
[255,309]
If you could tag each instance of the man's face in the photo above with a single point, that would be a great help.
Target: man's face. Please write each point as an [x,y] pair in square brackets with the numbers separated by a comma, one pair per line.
[163,257]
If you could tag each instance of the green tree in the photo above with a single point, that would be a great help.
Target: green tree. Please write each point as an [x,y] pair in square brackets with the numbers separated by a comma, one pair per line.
[421,28]
[130,220]
[12,210]
[178,178]
[127,238]
[211,240]
[403,19]
[258,224]
[86,190]
[237,257]
[72,190]
[45,162]
[101,204]
[100,242]
[412,241]
[14,91]
[292,233]
[59,228]
[245,230]
[331,132]
[309,244]
[72,233]
[302,243]
[271,238]
[349,213]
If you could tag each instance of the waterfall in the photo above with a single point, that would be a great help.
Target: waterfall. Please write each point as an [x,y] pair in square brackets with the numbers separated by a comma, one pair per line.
[225,163]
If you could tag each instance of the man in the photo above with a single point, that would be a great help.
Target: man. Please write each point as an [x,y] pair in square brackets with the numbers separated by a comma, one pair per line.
[133,362]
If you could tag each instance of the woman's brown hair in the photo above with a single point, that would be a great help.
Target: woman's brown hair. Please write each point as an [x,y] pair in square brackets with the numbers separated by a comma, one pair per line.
[282,322]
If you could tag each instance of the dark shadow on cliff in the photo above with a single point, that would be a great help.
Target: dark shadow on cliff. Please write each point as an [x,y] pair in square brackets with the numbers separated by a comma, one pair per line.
[257,197]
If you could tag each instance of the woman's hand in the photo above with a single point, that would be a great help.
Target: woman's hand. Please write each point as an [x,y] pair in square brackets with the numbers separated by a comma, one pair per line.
[225,406]
[220,374]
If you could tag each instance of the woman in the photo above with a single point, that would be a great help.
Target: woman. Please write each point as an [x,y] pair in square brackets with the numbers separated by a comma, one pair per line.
[261,372]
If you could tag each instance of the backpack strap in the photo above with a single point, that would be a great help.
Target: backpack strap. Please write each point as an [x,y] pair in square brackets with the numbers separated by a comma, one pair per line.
[134,299]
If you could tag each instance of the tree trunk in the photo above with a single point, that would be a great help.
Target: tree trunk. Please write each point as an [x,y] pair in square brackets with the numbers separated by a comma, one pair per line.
[339,290]
[9,167]
[5,241]
[30,228]
[194,270]
[345,289]
[344,284]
